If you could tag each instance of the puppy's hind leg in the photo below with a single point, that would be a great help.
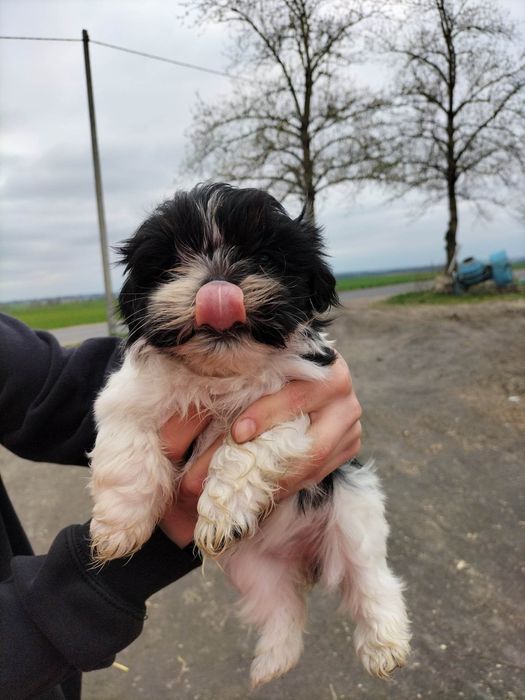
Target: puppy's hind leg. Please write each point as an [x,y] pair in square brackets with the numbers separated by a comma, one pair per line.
[354,559]
[272,600]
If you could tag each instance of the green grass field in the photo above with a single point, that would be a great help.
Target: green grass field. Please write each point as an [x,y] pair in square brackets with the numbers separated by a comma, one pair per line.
[58,315]
[346,284]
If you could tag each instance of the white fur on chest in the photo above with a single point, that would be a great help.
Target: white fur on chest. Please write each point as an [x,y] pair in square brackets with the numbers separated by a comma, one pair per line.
[156,385]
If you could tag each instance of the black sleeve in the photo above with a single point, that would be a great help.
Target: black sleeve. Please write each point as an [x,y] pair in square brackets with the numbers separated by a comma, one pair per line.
[58,614]
[47,392]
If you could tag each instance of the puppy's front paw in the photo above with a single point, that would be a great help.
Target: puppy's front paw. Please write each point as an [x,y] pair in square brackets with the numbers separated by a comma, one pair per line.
[213,539]
[208,539]
[383,649]
[221,522]
[108,543]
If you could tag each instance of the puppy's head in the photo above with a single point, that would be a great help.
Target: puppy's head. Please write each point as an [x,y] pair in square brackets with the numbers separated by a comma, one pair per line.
[218,268]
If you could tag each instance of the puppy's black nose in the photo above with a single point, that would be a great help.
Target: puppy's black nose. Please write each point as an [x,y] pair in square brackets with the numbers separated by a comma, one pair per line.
[220,305]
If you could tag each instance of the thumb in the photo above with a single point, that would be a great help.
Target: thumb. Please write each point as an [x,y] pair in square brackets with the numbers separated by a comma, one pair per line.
[193,479]
[177,434]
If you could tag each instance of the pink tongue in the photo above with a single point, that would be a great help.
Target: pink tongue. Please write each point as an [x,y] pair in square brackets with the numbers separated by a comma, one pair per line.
[219,305]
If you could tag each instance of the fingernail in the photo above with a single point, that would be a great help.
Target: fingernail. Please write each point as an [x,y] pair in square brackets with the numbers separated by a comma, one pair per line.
[244,430]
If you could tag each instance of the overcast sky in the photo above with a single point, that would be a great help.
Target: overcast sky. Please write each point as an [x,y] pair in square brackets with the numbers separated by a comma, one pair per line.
[48,225]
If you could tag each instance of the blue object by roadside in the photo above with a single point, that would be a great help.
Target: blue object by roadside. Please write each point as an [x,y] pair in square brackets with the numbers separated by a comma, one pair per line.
[472,271]
[501,269]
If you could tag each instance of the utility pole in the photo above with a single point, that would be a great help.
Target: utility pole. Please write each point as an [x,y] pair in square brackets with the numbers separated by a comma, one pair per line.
[110,305]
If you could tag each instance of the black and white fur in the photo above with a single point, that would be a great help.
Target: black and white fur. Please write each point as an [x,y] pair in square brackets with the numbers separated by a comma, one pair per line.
[334,534]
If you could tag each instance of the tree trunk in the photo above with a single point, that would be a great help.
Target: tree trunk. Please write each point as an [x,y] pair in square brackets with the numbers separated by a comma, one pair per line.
[450,236]
[308,166]
[309,206]
[447,29]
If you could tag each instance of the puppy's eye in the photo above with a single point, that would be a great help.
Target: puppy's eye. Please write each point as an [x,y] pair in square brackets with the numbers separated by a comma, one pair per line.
[264,260]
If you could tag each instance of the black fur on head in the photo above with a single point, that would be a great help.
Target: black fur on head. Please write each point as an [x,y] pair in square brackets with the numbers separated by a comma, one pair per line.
[217,231]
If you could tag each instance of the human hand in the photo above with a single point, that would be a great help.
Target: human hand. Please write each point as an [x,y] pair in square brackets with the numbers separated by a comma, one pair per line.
[335,426]
[335,431]
[177,436]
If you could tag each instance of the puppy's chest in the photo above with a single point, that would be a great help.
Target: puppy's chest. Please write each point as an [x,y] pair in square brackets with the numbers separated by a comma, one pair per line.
[224,400]
[225,406]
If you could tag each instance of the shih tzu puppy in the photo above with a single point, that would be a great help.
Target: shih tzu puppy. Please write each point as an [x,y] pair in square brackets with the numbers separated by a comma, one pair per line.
[224,299]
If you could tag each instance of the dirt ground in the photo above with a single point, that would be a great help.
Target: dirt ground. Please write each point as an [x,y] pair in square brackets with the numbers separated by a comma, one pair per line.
[443,393]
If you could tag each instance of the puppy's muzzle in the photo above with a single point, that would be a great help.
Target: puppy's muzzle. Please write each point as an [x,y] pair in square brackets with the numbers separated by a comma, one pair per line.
[220,305]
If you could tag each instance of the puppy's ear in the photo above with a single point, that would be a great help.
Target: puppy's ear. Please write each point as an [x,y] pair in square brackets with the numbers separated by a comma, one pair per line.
[142,257]
[130,299]
[322,281]
[136,249]
[323,288]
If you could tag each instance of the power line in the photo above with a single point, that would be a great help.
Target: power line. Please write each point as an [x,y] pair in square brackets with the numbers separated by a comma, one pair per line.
[153,57]
[37,38]
[167,60]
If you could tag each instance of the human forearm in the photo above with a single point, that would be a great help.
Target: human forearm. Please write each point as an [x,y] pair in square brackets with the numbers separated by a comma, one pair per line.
[47,392]
[58,614]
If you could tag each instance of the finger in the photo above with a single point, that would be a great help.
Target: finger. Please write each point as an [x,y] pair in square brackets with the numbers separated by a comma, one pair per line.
[193,479]
[295,480]
[177,434]
[294,398]
[178,523]
[332,431]
[329,451]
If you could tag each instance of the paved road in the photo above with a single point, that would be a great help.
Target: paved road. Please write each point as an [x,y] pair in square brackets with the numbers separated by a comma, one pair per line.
[383,292]
[73,335]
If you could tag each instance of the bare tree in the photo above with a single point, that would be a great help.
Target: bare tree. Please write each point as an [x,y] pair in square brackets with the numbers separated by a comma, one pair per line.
[458,130]
[297,123]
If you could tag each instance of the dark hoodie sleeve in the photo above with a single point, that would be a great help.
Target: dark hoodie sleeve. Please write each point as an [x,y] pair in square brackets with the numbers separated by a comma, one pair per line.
[58,614]
[47,392]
